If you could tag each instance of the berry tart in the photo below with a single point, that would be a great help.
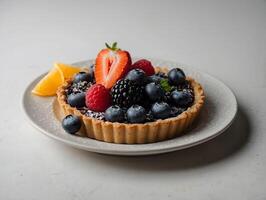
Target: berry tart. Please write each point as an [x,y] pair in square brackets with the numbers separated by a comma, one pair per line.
[119,102]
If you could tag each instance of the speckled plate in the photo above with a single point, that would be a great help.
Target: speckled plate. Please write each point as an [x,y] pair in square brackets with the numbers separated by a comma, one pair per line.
[218,113]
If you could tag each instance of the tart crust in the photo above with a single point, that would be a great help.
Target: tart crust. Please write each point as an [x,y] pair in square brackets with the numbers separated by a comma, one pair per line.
[122,133]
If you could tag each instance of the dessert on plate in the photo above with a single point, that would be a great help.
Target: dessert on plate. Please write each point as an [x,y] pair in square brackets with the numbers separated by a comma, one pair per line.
[119,102]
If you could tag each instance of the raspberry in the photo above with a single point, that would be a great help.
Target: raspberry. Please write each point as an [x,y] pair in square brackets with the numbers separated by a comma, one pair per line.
[98,98]
[145,65]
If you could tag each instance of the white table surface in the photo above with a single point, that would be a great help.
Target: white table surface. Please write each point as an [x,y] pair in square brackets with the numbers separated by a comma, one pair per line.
[225,39]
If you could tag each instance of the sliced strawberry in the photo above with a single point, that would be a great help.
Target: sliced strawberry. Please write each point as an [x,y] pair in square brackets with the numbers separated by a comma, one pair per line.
[102,66]
[111,65]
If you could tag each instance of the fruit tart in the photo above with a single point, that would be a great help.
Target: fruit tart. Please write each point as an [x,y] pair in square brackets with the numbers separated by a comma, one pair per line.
[119,102]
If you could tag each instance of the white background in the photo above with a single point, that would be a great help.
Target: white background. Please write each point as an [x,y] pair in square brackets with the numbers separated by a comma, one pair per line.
[224,38]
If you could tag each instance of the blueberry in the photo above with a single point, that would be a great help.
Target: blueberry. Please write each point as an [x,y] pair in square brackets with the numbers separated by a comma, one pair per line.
[176,76]
[136,114]
[154,91]
[136,75]
[114,114]
[83,76]
[154,78]
[76,99]
[92,69]
[161,110]
[71,124]
[182,98]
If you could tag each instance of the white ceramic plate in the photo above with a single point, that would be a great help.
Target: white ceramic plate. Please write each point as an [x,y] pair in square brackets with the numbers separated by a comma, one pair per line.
[218,113]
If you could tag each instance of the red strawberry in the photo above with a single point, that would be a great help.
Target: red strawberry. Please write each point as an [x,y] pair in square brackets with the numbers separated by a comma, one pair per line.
[145,65]
[111,65]
[98,98]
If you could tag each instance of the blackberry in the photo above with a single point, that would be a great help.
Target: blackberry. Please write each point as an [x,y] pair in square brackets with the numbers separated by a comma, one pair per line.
[125,93]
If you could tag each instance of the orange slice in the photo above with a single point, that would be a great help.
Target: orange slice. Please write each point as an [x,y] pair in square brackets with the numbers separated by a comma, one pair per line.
[67,70]
[48,85]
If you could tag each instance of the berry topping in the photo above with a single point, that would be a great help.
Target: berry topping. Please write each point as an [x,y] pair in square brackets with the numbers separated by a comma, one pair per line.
[136,114]
[136,75]
[115,91]
[76,99]
[114,114]
[145,65]
[126,93]
[182,98]
[98,98]
[111,65]
[161,110]
[71,124]
[176,76]
[154,92]
[82,76]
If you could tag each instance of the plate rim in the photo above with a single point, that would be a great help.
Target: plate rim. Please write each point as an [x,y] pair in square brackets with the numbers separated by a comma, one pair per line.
[129,152]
